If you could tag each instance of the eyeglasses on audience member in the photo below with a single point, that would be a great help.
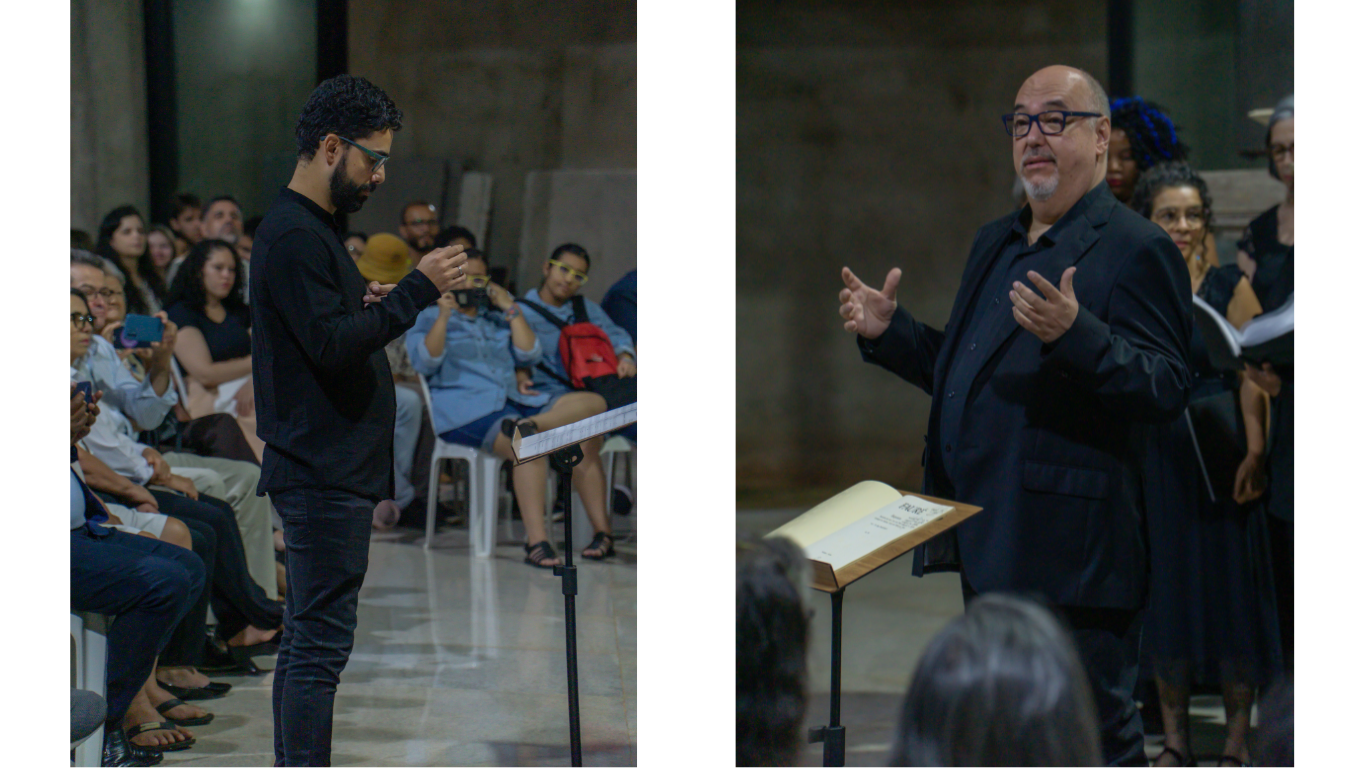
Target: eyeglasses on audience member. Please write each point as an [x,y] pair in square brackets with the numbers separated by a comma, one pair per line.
[78,319]
[565,269]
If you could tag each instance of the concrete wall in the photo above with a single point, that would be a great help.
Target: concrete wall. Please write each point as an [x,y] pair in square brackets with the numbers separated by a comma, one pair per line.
[108,110]
[868,136]
[506,89]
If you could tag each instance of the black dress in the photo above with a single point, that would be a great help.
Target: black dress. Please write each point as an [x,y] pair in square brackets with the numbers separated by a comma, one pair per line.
[227,340]
[1211,599]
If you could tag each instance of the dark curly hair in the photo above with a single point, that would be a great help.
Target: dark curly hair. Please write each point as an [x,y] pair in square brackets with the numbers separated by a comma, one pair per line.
[351,107]
[188,286]
[1152,135]
[1165,176]
[771,634]
[137,305]
[449,235]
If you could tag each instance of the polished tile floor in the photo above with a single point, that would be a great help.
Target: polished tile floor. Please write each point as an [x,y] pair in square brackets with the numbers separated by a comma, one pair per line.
[462,662]
[889,618]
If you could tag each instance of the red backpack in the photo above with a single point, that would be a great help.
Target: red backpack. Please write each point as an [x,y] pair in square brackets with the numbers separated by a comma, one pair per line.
[585,350]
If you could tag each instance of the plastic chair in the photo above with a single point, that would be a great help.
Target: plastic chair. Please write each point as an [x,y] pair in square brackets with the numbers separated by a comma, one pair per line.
[483,485]
[89,631]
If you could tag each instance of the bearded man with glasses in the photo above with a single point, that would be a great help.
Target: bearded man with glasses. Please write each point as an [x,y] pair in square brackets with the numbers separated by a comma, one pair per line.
[1068,337]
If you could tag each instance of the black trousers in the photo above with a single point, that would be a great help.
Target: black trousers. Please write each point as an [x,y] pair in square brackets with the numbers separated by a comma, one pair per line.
[1107,641]
[327,541]
[147,586]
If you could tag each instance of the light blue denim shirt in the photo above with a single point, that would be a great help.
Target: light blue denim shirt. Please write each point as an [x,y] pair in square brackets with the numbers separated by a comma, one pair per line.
[548,337]
[475,374]
[136,399]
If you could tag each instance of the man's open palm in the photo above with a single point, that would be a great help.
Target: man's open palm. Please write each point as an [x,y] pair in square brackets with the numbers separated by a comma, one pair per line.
[867,311]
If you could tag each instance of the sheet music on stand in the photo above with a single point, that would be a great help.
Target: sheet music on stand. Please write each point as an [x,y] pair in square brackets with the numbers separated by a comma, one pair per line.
[542,443]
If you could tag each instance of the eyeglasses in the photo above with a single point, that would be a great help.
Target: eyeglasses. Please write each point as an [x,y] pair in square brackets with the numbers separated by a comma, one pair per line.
[581,277]
[77,320]
[1051,123]
[1168,217]
[1279,151]
[422,223]
[478,281]
[375,157]
[104,293]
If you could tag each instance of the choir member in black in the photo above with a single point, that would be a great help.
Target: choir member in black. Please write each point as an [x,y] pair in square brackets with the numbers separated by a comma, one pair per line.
[1211,616]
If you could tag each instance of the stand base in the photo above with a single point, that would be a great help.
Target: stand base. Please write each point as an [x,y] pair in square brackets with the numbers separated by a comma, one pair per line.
[833,736]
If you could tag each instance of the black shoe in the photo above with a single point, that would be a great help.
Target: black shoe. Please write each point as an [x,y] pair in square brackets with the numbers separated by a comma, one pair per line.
[119,751]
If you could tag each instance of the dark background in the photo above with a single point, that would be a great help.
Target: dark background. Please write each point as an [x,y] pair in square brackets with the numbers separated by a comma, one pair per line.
[869,136]
[202,95]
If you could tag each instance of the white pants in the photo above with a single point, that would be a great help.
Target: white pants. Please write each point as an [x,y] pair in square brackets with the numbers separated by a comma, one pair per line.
[235,482]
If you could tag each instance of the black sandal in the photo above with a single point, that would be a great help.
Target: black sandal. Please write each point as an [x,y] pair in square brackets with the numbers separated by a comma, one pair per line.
[599,540]
[1180,758]
[183,722]
[174,746]
[1232,759]
[210,691]
[540,554]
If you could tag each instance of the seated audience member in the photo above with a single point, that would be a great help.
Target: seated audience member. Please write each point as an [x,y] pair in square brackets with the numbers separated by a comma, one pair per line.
[185,216]
[1218,629]
[223,220]
[1266,254]
[456,235]
[355,244]
[161,251]
[146,402]
[146,585]
[1000,685]
[81,240]
[620,303]
[122,239]
[214,344]
[469,353]
[562,276]
[418,226]
[385,259]
[154,717]
[771,634]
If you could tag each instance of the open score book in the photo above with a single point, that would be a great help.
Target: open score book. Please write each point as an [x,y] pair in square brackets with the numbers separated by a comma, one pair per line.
[863,528]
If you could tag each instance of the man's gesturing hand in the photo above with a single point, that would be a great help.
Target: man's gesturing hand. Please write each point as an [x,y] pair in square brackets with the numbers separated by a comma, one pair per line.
[866,311]
[1048,317]
[444,267]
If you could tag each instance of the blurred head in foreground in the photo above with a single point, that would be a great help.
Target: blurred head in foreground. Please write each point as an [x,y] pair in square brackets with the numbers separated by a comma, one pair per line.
[771,578]
[1000,685]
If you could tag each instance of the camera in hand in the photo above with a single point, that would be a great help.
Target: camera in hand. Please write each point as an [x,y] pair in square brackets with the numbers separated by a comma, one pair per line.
[472,297]
[138,331]
[87,389]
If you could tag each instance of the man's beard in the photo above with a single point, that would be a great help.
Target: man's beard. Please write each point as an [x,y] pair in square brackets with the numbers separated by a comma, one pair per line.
[421,245]
[1045,189]
[346,195]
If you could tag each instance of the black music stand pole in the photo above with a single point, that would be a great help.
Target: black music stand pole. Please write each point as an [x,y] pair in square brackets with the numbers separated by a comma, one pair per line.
[833,735]
[563,462]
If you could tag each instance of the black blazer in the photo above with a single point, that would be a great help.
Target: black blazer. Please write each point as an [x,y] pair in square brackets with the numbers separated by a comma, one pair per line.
[325,401]
[1050,445]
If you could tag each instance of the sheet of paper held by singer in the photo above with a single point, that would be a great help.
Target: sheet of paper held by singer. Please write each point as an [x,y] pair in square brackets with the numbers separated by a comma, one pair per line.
[876,529]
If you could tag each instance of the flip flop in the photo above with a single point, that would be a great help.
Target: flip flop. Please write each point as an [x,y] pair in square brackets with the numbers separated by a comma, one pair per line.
[187,722]
[210,691]
[175,746]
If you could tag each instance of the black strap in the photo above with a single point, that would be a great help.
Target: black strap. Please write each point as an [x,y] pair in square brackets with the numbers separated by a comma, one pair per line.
[580,310]
[543,312]
[546,370]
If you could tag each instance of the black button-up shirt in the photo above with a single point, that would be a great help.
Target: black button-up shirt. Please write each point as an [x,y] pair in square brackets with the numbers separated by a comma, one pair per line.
[324,393]
[991,310]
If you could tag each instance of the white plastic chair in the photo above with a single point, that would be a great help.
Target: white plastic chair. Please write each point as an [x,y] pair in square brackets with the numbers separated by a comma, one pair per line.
[483,485]
[89,631]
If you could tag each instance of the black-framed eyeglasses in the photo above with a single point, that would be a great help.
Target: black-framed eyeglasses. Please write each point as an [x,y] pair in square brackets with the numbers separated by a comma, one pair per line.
[104,293]
[78,319]
[1051,123]
[375,157]
[422,223]
[1168,217]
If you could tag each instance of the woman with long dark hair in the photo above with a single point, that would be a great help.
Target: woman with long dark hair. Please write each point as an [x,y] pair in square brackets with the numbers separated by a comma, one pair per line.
[214,343]
[122,239]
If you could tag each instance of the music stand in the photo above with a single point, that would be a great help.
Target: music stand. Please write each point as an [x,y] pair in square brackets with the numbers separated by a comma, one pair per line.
[562,445]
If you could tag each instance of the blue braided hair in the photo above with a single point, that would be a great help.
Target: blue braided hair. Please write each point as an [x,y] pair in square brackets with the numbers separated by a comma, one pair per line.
[1152,135]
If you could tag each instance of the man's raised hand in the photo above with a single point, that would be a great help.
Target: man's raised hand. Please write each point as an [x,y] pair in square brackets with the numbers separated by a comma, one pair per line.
[866,311]
[444,267]
[1048,316]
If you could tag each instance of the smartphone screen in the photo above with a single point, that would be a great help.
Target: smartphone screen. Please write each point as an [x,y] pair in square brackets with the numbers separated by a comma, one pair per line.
[87,389]
[139,331]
